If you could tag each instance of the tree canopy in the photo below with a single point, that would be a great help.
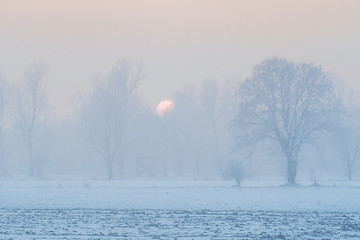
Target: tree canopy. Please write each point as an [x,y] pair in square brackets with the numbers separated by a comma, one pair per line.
[288,103]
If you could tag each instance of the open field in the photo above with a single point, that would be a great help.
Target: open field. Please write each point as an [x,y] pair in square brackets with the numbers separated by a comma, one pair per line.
[176,224]
[158,209]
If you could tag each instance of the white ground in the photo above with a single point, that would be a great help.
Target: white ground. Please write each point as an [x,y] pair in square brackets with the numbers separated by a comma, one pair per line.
[170,209]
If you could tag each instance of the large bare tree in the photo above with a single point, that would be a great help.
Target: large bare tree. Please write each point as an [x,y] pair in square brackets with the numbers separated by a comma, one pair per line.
[32,113]
[108,109]
[288,103]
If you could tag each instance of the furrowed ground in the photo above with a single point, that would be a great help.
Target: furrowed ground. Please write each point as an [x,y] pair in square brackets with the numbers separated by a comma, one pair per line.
[133,209]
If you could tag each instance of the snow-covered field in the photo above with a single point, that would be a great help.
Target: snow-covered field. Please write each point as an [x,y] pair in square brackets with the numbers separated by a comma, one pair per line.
[176,209]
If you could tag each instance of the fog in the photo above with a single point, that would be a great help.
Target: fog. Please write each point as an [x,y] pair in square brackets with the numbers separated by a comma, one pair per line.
[180,42]
[181,119]
[206,134]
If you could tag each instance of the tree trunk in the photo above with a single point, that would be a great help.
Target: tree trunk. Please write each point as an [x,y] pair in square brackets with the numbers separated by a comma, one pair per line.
[2,157]
[2,168]
[109,169]
[238,181]
[197,166]
[31,161]
[164,168]
[2,164]
[349,169]
[179,166]
[121,167]
[292,170]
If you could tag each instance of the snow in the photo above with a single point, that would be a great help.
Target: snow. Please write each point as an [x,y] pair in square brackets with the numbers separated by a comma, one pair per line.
[176,209]
[175,194]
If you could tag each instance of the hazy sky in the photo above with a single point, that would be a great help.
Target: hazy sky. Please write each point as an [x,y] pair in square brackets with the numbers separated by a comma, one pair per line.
[178,41]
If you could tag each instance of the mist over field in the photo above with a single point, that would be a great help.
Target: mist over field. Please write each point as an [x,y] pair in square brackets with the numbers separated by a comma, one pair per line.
[284,113]
[179,119]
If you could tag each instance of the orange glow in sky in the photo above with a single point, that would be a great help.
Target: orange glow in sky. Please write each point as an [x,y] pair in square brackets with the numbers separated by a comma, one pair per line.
[164,108]
[180,41]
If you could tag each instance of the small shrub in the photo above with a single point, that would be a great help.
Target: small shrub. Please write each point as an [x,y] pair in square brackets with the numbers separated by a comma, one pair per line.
[235,170]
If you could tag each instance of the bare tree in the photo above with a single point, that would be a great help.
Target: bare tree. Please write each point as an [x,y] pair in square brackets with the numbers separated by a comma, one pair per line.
[217,101]
[108,109]
[288,103]
[31,114]
[226,112]
[185,130]
[209,97]
[347,140]
[4,95]
[235,170]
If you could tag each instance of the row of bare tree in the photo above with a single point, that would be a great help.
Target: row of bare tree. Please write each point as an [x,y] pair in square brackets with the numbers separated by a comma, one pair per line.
[285,104]
[215,129]
[24,106]
[170,145]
